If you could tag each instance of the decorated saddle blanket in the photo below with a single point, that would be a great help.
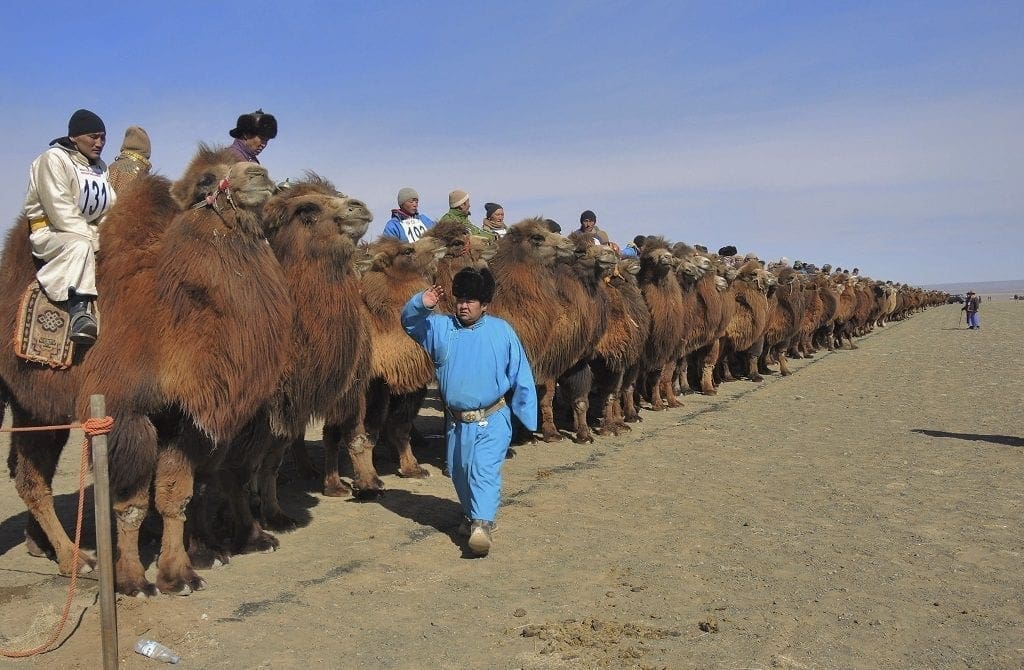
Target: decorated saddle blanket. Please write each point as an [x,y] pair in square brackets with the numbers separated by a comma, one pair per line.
[41,333]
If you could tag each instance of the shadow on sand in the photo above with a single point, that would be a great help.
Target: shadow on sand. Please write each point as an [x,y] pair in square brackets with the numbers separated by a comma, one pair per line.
[1007,440]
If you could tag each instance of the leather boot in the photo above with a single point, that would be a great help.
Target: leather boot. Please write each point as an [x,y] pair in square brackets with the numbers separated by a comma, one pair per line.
[83,324]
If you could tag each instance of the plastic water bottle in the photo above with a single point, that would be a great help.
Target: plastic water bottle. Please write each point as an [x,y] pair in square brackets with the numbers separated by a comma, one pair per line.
[154,649]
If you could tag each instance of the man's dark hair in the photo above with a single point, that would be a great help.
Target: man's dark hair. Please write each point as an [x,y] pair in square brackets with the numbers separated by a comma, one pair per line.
[553,225]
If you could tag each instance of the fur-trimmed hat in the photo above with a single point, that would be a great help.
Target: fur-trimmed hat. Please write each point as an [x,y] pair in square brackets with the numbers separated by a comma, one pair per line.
[256,123]
[473,284]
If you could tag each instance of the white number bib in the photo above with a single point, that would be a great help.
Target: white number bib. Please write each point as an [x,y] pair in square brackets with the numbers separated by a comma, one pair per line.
[414,228]
[94,195]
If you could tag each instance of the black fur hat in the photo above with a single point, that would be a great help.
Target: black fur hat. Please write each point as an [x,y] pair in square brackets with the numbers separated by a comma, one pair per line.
[257,123]
[727,251]
[474,284]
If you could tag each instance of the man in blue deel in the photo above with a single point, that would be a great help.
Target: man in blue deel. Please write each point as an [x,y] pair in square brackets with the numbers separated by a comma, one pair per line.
[479,362]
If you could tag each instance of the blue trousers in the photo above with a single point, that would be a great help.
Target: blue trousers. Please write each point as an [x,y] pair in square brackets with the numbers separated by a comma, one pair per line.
[972,320]
[475,456]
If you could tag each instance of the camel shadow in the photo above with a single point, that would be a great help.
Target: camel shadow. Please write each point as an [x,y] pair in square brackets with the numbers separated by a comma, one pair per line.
[12,529]
[441,514]
[1007,440]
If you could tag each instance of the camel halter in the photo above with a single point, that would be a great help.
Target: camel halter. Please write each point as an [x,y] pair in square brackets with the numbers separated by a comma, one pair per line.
[211,200]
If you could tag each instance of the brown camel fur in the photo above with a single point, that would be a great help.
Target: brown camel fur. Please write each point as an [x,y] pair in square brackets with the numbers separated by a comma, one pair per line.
[784,320]
[399,367]
[193,341]
[715,296]
[313,230]
[843,325]
[526,297]
[578,330]
[618,351]
[697,281]
[744,336]
[464,250]
[662,293]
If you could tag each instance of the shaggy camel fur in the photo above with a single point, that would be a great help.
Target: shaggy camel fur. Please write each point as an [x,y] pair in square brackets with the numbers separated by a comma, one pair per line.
[843,325]
[663,296]
[716,300]
[193,341]
[313,230]
[579,329]
[744,336]
[463,250]
[618,352]
[399,367]
[526,297]
[784,320]
[693,272]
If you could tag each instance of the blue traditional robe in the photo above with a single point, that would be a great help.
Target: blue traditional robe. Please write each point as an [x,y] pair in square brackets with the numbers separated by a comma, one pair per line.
[475,367]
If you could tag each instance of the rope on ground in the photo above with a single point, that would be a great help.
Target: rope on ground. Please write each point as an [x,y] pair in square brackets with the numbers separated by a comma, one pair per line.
[91,427]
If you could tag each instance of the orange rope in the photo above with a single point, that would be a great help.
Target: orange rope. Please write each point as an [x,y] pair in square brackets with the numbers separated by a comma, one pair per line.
[91,427]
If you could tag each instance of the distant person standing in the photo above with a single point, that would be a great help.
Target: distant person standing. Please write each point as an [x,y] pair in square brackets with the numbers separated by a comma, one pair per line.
[494,221]
[971,306]
[406,223]
[252,133]
[458,211]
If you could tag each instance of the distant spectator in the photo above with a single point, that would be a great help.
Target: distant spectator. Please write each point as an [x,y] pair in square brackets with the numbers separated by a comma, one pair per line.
[632,250]
[133,160]
[971,306]
[494,221]
[458,211]
[588,225]
[406,223]
[252,133]
[553,226]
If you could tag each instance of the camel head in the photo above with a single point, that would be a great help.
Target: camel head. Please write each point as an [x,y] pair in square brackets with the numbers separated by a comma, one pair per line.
[692,264]
[322,213]
[401,259]
[655,256]
[203,175]
[249,185]
[530,241]
[482,248]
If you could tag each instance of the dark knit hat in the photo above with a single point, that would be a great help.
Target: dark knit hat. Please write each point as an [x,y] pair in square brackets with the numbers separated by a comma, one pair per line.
[256,123]
[491,207]
[587,215]
[472,284]
[553,225]
[83,122]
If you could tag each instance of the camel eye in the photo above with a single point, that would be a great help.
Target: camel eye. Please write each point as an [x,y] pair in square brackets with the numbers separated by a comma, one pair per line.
[537,239]
[407,252]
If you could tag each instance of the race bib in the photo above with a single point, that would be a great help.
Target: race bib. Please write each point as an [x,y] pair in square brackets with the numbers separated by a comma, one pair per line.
[94,196]
[414,228]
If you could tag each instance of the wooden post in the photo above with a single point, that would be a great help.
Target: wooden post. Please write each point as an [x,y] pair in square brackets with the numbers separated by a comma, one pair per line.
[104,538]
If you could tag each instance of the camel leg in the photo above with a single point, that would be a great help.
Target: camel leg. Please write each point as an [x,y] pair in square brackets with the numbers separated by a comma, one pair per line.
[300,458]
[707,368]
[577,384]
[545,398]
[752,368]
[33,462]
[249,536]
[653,382]
[397,429]
[783,364]
[271,514]
[347,423]
[628,396]
[172,492]
[665,381]
[334,487]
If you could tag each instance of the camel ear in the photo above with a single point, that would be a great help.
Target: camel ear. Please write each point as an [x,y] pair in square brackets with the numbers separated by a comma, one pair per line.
[308,212]
[379,261]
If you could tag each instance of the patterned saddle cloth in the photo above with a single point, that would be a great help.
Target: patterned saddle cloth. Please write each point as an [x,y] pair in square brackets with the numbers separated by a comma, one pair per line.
[41,334]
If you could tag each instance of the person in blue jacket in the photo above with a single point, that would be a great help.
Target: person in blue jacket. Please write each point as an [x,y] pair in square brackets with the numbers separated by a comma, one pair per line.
[406,223]
[483,376]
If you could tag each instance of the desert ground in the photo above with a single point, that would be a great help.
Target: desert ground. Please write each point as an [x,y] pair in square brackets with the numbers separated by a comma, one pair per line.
[865,512]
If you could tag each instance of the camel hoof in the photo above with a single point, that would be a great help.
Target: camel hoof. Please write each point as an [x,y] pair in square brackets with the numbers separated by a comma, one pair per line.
[142,589]
[206,558]
[553,437]
[785,373]
[417,472]
[368,494]
[756,378]
[280,521]
[263,543]
[586,439]
[337,490]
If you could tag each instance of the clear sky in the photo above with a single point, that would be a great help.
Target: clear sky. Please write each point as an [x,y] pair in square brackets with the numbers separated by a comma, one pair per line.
[884,135]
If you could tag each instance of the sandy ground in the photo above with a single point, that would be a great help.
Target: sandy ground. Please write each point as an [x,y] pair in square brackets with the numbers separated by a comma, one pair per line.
[864,513]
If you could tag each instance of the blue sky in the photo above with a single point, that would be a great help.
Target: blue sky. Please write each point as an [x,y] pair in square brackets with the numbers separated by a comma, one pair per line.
[881,135]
